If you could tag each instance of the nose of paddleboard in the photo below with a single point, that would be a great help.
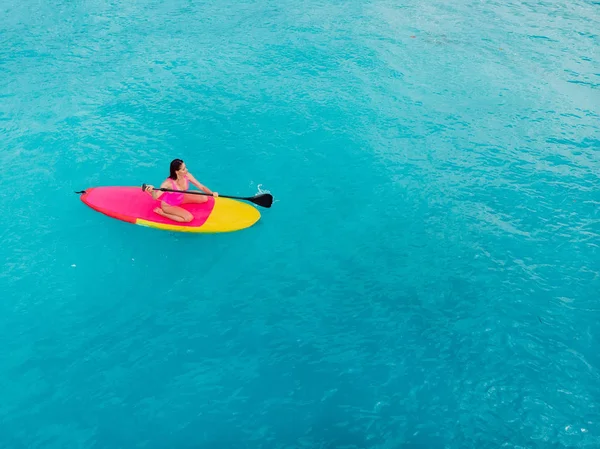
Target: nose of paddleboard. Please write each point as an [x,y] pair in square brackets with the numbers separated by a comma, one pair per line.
[230,215]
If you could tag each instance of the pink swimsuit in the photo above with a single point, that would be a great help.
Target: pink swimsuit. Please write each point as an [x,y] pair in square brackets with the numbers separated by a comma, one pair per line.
[172,198]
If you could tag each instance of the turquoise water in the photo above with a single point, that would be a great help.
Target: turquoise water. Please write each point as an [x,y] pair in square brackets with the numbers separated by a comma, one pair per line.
[428,276]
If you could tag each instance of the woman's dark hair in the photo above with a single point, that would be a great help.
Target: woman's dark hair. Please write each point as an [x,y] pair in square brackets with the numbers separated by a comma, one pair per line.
[175,165]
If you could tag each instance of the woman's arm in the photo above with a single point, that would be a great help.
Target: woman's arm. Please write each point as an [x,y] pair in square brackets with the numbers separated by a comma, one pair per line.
[200,186]
[155,194]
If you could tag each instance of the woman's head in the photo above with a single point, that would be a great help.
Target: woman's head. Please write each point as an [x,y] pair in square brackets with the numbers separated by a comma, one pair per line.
[177,165]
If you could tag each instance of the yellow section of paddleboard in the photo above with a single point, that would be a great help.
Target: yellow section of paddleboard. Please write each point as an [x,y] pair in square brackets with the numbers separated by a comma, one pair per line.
[227,216]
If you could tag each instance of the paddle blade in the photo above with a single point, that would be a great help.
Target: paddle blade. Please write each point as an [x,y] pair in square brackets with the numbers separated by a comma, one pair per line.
[263,199]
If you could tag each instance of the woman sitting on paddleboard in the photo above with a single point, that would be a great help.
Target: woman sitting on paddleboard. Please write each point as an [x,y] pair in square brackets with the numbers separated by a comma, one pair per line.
[170,202]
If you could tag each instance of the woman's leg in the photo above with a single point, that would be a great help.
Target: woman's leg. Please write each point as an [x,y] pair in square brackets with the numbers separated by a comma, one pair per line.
[191,198]
[174,213]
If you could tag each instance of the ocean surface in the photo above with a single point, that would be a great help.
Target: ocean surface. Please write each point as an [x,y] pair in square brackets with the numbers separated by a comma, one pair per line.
[427,278]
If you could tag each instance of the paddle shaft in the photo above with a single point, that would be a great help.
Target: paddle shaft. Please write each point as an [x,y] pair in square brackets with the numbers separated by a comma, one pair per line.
[196,192]
[263,199]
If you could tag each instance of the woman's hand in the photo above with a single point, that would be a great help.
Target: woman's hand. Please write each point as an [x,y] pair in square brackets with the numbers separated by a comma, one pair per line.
[150,190]
[215,194]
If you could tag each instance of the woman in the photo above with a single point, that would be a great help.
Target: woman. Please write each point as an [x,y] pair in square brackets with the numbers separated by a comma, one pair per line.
[170,202]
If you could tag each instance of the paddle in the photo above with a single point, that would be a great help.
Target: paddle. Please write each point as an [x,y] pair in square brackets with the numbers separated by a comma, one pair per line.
[262,199]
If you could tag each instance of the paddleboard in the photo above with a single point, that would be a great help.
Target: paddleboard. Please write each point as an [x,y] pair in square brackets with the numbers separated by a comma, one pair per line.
[132,205]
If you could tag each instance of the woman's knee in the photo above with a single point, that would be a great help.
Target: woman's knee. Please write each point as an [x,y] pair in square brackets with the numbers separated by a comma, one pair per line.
[185,215]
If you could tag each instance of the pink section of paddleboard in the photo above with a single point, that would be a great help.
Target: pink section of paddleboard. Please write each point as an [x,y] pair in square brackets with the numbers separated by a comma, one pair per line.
[131,203]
